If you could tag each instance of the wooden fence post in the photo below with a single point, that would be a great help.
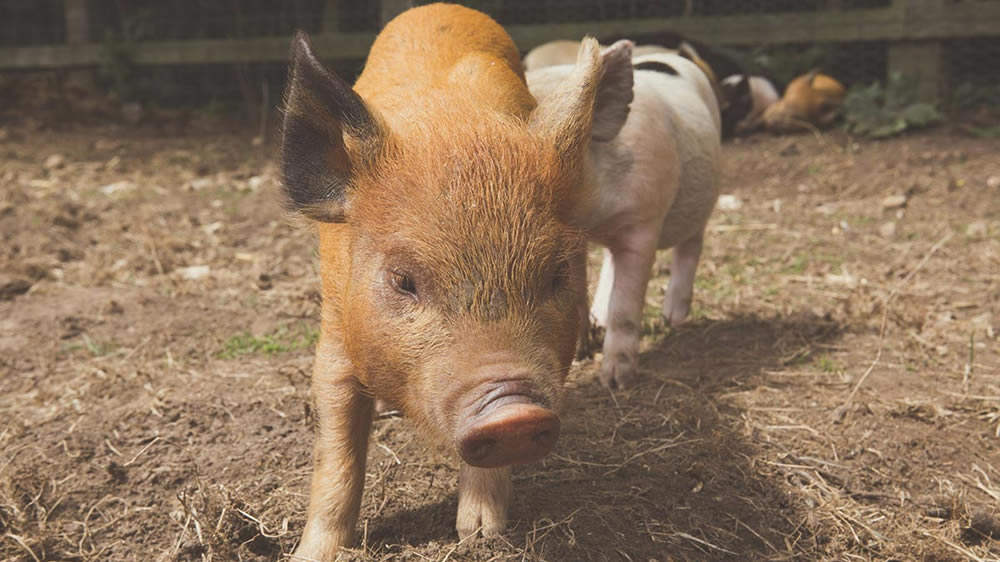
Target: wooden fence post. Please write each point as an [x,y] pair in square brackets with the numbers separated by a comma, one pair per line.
[331,16]
[920,60]
[77,21]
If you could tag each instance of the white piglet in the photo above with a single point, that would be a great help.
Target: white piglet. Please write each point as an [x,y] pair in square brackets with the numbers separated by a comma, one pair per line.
[651,186]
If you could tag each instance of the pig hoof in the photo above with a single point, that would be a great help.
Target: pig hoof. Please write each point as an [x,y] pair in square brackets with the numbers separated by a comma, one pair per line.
[469,529]
[618,373]
[486,518]
[676,312]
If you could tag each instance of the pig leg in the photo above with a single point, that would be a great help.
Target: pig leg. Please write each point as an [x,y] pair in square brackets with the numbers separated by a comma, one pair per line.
[345,418]
[585,346]
[680,291]
[602,298]
[483,496]
[633,256]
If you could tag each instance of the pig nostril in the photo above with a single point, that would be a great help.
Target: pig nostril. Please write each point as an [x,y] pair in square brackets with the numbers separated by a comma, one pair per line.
[482,447]
[543,436]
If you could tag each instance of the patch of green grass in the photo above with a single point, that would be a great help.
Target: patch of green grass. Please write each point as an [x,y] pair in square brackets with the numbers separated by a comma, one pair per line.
[798,264]
[282,340]
[814,169]
[704,284]
[826,364]
[97,349]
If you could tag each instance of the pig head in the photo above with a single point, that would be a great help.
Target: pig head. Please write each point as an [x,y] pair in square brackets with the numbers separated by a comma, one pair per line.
[810,100]
[452,281]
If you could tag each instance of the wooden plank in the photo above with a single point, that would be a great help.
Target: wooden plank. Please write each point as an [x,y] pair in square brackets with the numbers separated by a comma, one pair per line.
[327,45]
[331,16]
[77,22]
[891,24]
[48,56]
[856,25]
[922,61]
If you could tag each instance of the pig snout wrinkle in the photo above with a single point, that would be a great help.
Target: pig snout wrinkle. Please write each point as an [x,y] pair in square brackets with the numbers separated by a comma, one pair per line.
[507,424]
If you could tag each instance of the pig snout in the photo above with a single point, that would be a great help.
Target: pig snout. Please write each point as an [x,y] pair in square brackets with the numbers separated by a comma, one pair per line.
[506,423]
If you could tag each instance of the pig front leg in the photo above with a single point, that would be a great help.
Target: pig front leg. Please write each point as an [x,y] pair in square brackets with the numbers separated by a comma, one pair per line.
[680,290]
[632,257]
[483,497]
[345,418]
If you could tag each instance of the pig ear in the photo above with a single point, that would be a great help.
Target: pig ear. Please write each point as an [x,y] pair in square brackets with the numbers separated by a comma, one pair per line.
[328,134]
[811,76]
[568,113]
[614,93]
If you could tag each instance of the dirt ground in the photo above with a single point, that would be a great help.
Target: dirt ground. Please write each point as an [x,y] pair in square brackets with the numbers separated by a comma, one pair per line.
[835,396]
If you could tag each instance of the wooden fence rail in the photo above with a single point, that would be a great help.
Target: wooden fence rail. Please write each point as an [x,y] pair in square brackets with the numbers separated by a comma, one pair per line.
[913,27]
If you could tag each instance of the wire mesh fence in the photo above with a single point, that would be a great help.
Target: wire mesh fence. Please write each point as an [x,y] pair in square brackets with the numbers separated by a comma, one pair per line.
[969,63]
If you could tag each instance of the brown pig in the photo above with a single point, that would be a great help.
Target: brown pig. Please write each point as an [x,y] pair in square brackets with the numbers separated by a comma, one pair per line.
[453,282]
[810,100]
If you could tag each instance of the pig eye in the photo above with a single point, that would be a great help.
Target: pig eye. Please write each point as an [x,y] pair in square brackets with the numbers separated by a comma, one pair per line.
[560,277]
[403,283]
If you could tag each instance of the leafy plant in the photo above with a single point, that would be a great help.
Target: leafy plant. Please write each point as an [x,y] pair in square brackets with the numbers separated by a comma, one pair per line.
[879,111]
[115,68]
[968,95]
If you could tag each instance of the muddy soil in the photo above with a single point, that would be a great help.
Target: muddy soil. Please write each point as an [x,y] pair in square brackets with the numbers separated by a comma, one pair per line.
[834,396]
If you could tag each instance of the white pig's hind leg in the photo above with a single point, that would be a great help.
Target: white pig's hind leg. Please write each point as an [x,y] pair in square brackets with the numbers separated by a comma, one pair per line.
[680,291]
[633,256]
[483,496]
[602,297]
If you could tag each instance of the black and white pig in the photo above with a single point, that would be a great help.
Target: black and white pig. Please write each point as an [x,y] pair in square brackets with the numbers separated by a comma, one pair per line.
[650,186]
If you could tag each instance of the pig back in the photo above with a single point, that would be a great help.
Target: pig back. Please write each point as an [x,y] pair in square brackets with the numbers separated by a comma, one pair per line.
[443,51]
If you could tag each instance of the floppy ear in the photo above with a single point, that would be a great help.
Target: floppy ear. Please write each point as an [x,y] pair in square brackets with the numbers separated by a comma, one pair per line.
[594,98]
[328,135]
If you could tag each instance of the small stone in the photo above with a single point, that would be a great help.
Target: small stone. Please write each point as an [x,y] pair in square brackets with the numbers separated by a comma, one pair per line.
[888,230]
[107,145]
[729,203]
[257,141]
[255,182]
[195,272]
[827,208]
[201,183]
[54,162]
[117,187]
[978,229]
[993,182]
[894,202]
